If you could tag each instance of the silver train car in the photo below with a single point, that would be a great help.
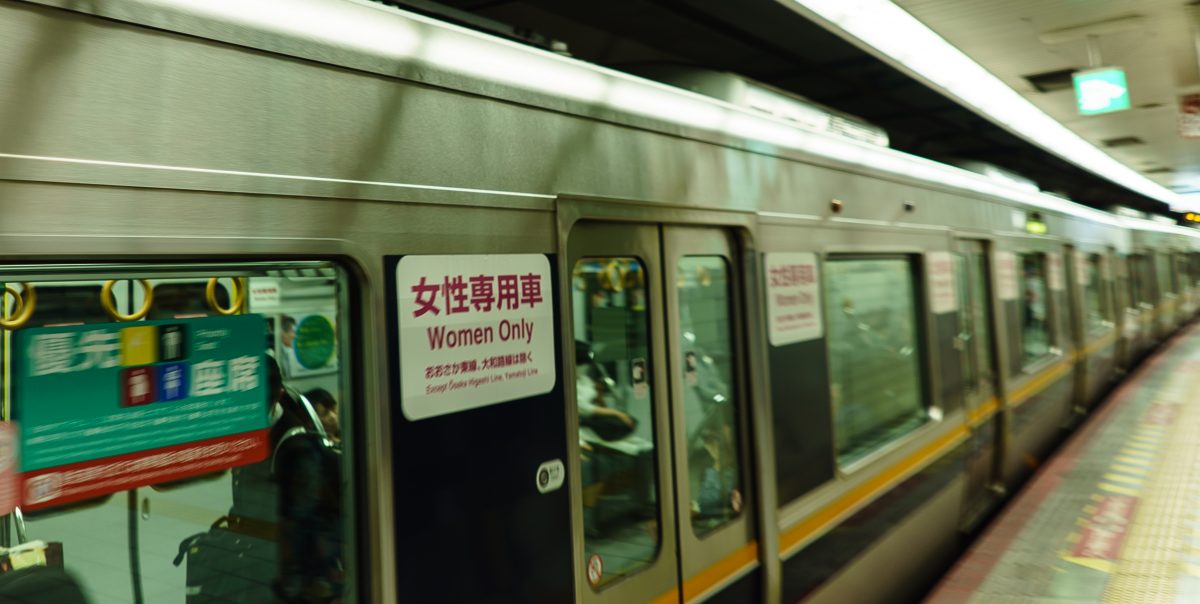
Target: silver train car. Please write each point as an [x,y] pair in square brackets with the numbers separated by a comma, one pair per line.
[595,339]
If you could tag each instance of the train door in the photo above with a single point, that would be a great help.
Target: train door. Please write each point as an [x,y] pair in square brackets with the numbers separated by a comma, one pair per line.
[979,376]
[664,491]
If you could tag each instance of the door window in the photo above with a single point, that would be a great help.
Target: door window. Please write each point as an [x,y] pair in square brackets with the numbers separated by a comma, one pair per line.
[616,409]
[1095,303]
[710,406]
[973,296]
[1036,332]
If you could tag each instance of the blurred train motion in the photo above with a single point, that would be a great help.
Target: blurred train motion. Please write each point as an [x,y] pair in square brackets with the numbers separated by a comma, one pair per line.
[549,332]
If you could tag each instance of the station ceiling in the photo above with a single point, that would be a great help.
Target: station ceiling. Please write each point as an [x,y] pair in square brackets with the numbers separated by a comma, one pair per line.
[769,41]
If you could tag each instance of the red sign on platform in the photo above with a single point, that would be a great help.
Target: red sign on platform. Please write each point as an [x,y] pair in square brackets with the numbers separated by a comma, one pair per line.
[1106,528]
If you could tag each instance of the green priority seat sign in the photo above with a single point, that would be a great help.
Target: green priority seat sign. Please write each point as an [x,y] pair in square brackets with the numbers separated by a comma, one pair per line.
[101,408]
[1101,90]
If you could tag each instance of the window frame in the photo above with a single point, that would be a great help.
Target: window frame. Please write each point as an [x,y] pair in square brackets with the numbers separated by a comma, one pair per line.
[922,327]
[661,542]
[351,383]
[1053,349]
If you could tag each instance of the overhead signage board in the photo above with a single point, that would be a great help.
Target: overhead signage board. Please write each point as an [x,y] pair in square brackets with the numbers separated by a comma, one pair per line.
[793,298]
[1101,90]
[475,330]
[107,407]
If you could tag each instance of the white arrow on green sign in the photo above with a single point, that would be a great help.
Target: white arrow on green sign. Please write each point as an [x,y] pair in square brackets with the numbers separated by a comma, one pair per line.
[1101,91]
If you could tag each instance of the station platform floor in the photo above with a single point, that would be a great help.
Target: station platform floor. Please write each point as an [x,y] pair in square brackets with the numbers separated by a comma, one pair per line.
[1114,516]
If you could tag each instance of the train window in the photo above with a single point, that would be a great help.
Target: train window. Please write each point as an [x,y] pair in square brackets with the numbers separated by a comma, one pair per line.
[1097,305]
[1036,332]
[616,407]
[1140,279]
[874,353]
[222,478]
[1162,269]
[981,327]
[1180,263]
[710,406]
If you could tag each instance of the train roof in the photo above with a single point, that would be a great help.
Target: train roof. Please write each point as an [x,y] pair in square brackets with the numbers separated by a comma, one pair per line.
[371,37]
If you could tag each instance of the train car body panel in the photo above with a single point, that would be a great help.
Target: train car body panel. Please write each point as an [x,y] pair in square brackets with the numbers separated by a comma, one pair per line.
[828,358]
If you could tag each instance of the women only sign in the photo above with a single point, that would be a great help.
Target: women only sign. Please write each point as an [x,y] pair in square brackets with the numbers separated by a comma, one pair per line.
[474,331]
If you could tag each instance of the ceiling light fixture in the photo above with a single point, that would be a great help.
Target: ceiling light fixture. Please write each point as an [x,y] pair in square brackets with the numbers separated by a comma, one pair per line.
[885,29]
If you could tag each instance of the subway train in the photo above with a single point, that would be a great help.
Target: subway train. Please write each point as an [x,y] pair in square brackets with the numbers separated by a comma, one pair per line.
[595,338]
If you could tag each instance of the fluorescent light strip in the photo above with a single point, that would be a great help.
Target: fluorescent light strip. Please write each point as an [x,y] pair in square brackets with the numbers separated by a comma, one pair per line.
[911,46]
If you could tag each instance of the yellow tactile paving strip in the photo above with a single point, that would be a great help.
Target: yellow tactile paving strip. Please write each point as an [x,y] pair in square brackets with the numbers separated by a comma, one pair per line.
[1114,515]
[1162,453]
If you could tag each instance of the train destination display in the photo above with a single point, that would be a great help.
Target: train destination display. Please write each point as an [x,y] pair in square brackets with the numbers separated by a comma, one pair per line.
[102,408]
[475,330]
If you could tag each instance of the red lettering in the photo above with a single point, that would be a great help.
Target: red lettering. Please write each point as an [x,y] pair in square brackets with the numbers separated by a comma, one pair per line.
[426,298]
[507,298]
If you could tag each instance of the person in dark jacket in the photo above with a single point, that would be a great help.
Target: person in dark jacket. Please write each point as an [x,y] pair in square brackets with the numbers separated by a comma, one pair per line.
[308,472]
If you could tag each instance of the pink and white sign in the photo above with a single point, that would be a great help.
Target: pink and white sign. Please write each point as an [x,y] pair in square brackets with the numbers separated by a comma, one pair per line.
[943,290]
[10,479]
[475,330]
[1006,275]
[1081,269]
[793,298]
[1054,271]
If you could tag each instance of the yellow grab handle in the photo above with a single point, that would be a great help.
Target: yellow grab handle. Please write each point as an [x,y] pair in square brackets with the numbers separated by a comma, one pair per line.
[239,296]
[111,309]
[23,311]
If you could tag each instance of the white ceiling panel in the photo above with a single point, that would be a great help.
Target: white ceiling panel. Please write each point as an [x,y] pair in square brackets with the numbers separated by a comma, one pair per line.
[1157,49]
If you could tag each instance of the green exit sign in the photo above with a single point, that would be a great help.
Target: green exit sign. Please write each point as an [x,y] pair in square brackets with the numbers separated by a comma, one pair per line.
[1101,90]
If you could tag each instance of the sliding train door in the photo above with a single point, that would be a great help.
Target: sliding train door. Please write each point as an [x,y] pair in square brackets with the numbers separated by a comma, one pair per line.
[663,508]
[976,345]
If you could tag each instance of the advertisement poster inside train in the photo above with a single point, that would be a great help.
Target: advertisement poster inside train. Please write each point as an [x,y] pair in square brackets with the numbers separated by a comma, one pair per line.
[307,343]
[1006,275]
[943,290]
[106,407]
[475,330]
[793,298]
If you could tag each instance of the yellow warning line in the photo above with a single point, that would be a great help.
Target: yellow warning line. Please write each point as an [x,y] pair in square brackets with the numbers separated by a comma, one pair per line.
[1128,469]
[1125,479]
[1143,446]
[1136,453]
[1119,490]
[1131,461]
